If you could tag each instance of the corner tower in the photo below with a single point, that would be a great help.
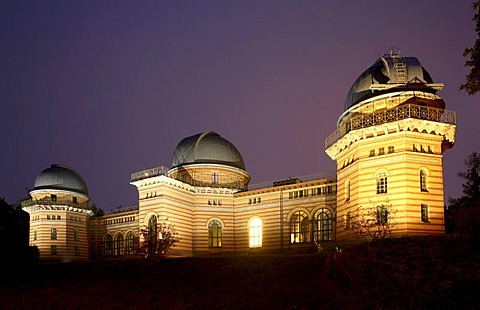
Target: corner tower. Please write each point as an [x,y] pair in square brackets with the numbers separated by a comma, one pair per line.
[59,215]
[388,146]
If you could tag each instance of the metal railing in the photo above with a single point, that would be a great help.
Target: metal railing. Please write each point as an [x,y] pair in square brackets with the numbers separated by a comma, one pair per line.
[50,202]
[397,113]
[148,173]
[301,179]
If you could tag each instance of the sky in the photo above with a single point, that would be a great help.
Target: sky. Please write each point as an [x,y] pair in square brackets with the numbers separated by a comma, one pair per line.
[110,87]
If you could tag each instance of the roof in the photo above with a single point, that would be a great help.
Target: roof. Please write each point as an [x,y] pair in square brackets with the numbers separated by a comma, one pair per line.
[61,177]
[207,148]
[390,73]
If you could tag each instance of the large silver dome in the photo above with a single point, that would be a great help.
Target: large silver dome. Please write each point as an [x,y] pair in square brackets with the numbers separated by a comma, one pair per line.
[207,148]
[390,73]
[61,177]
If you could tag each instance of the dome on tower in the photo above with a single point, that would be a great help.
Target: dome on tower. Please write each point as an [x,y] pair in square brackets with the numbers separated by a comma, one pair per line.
[390,73]
[61,177]
[207,148]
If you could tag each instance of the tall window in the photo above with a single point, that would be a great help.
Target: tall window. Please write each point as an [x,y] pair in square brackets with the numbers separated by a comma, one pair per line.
[347,190]
[255,232]
[382,215]
[108,245]
[424,210]
[347,219]
[118,244]
[215,178]
[152,232]
[381,183]
[35,234]
[53,233]
[322,225]
[130,243]
[76,251]
[75,235]
[53,249]
[215,234]
[423,180]
[299,227]
[53,197]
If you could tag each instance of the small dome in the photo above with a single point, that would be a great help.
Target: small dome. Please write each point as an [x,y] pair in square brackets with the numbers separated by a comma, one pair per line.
[207,148]
[61,177]
[390,73]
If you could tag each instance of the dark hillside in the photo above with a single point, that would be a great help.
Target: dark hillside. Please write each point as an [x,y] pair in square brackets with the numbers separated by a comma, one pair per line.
[395,273]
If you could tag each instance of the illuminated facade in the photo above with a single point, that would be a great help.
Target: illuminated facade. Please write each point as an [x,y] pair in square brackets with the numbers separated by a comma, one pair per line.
[388,147]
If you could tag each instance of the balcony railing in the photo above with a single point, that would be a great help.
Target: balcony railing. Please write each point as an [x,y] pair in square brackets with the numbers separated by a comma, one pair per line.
[50,202]
[398,113]
[148,173]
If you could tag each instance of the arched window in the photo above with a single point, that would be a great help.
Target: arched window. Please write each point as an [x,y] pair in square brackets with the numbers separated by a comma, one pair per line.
[131,243]
[75,235]
[382,183]
[108,245]
[215,234]
[322,225]
[118,244]
[299,227]
[347,190]
[53,233]
[255,232]
[423,180]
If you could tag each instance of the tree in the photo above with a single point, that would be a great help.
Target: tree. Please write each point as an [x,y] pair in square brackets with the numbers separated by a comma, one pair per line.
[158,239]
[472,84]
[97,211]
[463,214]
[373,223]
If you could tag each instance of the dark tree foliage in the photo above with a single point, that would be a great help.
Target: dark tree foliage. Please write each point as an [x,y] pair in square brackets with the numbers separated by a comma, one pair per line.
[16,256]
[463,214]
[472,85]
[158,240]
[97,211]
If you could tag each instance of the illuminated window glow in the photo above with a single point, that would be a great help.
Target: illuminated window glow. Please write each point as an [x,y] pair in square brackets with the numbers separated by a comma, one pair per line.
[299,227]
[255,232]
[214,234]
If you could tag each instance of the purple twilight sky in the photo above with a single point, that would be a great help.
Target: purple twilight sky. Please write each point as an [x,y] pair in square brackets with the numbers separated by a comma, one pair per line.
[111,87]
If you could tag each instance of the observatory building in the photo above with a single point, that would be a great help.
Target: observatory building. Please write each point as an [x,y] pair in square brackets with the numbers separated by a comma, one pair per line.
[388,147]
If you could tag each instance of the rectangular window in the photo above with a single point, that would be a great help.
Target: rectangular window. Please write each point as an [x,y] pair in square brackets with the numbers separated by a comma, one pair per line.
[76,252]
[74,200]
[314,191]
[296,194]
[424,210]
[382,215]
[53,197]
[48,217]
[372,153]
[290,195]
[381,151]
[415,148]
[391,149]
[305,193]
[53,250]
[382,183]
[430,150]
[319,190]
[422,149]
[347,220]
[215,178]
